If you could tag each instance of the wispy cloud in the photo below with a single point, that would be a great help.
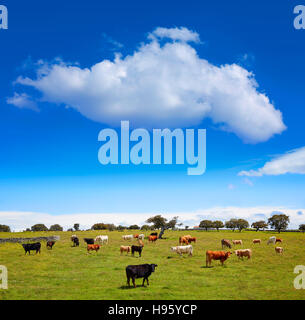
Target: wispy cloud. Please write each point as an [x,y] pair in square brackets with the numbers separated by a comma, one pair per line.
[291,162]
[22,101]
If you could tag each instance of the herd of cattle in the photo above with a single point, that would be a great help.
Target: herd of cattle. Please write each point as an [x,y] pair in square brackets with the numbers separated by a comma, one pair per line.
[145,270]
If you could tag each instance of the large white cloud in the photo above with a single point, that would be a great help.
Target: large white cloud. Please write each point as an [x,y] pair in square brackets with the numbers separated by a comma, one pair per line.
[291,162]
[21,220]
[163,85]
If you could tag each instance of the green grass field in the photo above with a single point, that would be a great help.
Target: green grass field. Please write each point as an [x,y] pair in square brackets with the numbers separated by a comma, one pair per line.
[71,273]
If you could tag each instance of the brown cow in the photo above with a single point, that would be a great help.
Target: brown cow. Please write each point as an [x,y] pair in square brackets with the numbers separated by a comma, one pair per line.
[125,249]
[226,243]
[50,244]
[257,241]
[279,250]
[192,239]
[152,238]
[136,236]
[278,240]
[217,255]
[92,247]
[237,242]
[183,240]
[243,253]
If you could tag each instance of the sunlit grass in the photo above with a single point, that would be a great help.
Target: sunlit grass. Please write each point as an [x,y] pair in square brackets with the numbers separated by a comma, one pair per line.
[72,273]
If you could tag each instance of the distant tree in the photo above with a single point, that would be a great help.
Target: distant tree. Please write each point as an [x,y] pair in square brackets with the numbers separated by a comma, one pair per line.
[172,223]
[145,227]
[134,227]
[121,228]
[4,228]
[186,227]
[231,224]
[56,227]
[206,224]
[259,225]
[39,227]
[242,224]
[279,222]
[218,225]
[302,227]
[99,226]
[70,229]
[158,221]
[111,227]
[27,229]
[76,226]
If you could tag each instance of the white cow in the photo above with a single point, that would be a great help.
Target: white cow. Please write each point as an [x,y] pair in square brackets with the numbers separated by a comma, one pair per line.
[183,249]
[127,237]
[141,236]
[272,240]
[102,239]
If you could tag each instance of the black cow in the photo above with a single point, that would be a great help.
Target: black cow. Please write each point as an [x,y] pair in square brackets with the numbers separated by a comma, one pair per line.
[139,271]
[50,244]
[136,249]
[89,240]
[154,234]
[31,246]
[75,241]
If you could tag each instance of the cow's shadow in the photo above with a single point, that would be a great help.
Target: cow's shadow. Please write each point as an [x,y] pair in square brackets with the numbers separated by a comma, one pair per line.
[126,287]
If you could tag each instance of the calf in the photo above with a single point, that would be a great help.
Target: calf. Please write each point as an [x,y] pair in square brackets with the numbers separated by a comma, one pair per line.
[152,238]
[183,249]
[75,242]
[192,239]
[141,236]
[271,240]
[28,247]
[243,253]
[235,242]
[139,271]
[278,240]
[279,250]
[89,240]
[127,237]
[217,255]
[226,243]
[256,241]
[183,240]
[136,236]
[125,249]
[136,249]
[50,244]
[91,247]
[102,239]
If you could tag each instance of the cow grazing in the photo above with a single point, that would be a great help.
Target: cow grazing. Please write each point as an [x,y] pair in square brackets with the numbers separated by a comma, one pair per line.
[217,255]
[192,239]
[139,271]
[183,240]
[278,240]
[136,249]
[154,234]
[271,240]
[50,244]
[28,247]
[136,236]
[127,237]
[183,249]
[279,250]
[93,247]
[73,237]
[243,253]
[101,239]
[75,242]
[125,249]
[235,242]
[89,240]
[152,238]
[226,243]
[256,241]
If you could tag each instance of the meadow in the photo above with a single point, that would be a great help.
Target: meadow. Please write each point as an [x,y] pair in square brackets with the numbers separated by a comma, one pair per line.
[71,273]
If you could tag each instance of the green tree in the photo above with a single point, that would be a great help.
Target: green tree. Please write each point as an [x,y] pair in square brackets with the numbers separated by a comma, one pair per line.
[302,227]
[206,224]
[218,225]
[134,227]
[242,224]
[4,228]
[39,227]
[172,223]
[259,225]
[76,226]
[231,224]
[56,227]
[279,222]
[99,226]
[158,221]
[145,227]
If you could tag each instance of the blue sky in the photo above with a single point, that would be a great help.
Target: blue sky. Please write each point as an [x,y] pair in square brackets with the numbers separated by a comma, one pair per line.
[48,163]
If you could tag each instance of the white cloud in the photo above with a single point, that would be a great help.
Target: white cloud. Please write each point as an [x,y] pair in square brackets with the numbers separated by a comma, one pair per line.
[163,85]
[22,101]
[248,182]
[21,220]
[231,186]
[291,162]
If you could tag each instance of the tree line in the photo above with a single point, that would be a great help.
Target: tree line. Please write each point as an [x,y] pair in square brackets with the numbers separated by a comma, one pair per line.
[278,222]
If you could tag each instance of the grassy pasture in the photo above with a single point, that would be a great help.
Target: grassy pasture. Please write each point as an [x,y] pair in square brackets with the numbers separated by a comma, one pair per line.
[71,273]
